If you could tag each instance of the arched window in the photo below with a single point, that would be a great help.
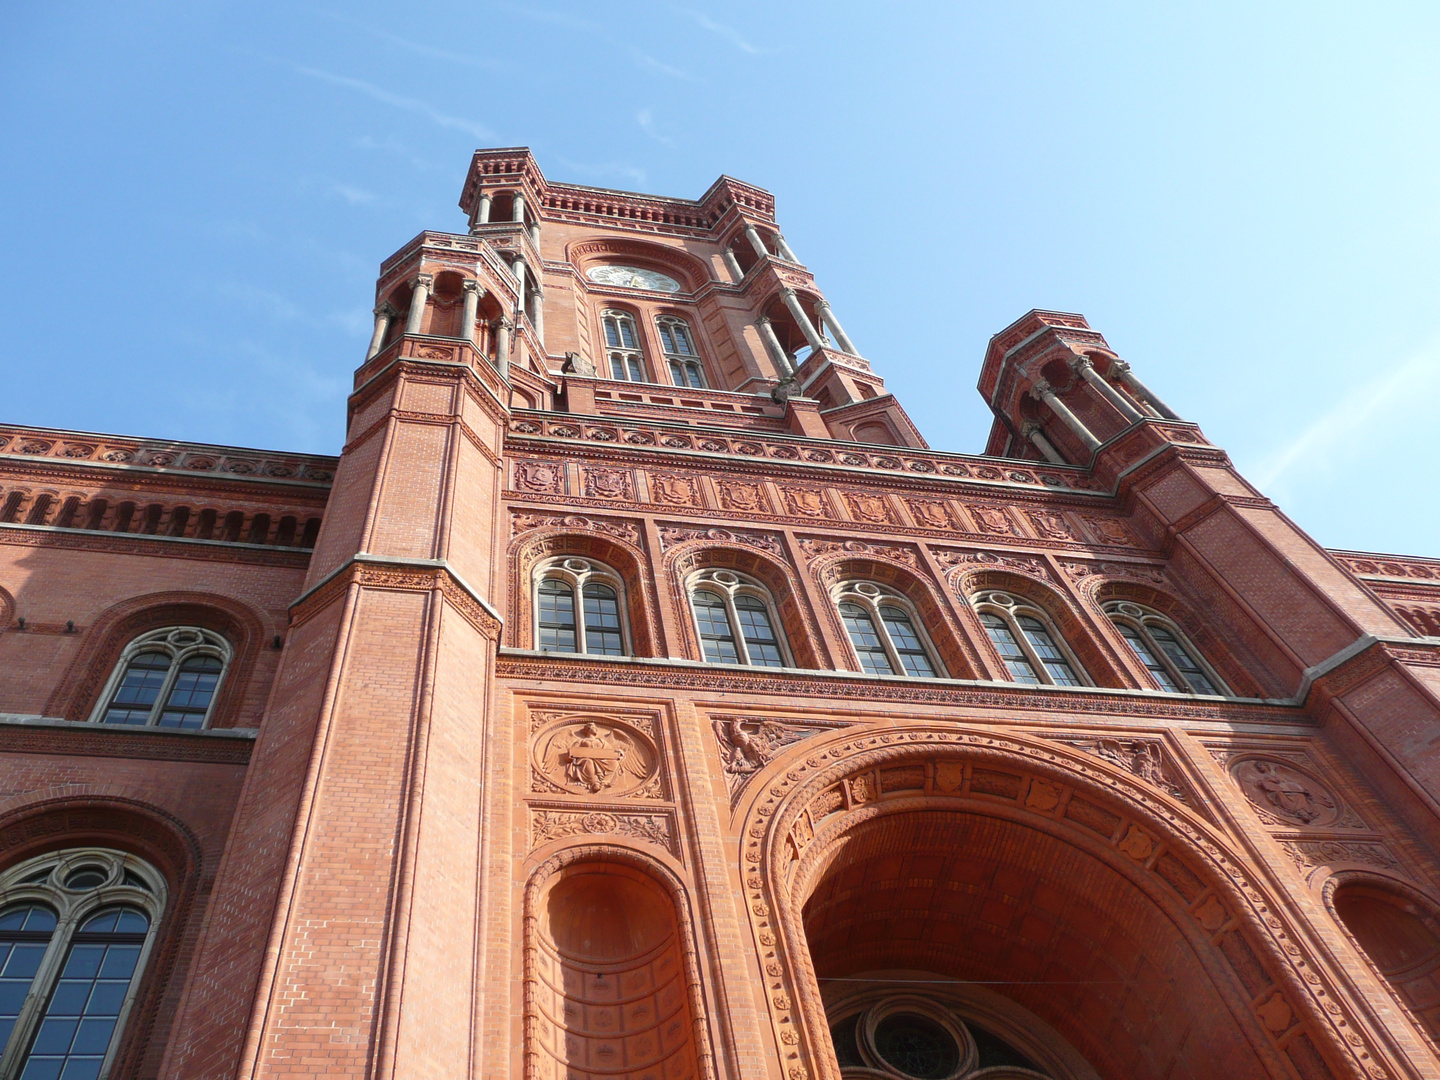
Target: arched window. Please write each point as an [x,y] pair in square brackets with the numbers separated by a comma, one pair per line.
[1158,644]
[622,345]
[75,930]
[884,631]
[680,352]
[579,609]
[736,620]
[1033,652]
[166,678]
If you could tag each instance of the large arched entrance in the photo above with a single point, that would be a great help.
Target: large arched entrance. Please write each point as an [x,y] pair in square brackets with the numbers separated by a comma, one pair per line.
[983,906]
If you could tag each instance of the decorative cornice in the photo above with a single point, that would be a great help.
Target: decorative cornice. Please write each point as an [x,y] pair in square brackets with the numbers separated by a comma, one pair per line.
[21,734]
[179,547]
[411,575]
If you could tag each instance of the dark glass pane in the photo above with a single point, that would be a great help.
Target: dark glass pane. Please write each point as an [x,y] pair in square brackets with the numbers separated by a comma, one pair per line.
[1141,648]
[866,639]
[139,687]
[24,936]
[612,333]
[557,616]
[847,1048]
[602,621]
[636,374]
[995,1051]
[1182,659]
[667,340]
[617,366]
[190,696]
[1021,670]
[917,1046]
[1059,669]
[716,638]
[627,333]
[907,643]
[760,641]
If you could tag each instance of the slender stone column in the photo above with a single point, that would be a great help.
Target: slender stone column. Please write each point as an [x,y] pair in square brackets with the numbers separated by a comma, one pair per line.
[502,347]
[1086,368]
[384,316]
[517,207]
[772,344]
[537,313]
[1042,391]
[482,216]
[535,234]
[1143,392]
[785,252]
[822,308]
[474,291]
[1032,432]
[517,266]
[755,241]
[417,302]
[806,326]
[733,264]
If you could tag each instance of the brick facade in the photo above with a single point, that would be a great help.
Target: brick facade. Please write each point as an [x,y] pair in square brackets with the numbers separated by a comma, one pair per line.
[417,838]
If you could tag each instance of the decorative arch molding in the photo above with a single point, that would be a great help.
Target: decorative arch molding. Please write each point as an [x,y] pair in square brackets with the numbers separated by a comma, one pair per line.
[1216,650]
[830,570]
[625,558]
[1291,1008]
[7,610]
[140,829]
[801,631]
[576,858]
[690,271]
[245,628]
[1081,636]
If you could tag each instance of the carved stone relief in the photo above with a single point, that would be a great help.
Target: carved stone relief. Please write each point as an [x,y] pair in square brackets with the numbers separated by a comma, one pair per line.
[1144,759]
[806,502]
[674,489]
[814,548]
[1309,854]
[556,824]
[608,484]
[670,535]
[585,756]
[991,519]
[624,530]
[1109,531]
[740,495]
[867,507]
[1283,794]
[931,515]
[547,477]
[748,744]
[1028,564]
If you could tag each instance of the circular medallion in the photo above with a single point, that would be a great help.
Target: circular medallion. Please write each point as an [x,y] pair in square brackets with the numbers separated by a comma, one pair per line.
[1285,793]
[632,277]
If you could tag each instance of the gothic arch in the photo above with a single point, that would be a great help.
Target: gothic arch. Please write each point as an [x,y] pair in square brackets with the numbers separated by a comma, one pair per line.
[955,650]
[543,959]
[785,589]
[1083,637]
[562,538]
[246,629]
[1278,1001]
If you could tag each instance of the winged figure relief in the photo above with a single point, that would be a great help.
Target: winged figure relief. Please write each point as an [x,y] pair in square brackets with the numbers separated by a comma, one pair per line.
[594,758]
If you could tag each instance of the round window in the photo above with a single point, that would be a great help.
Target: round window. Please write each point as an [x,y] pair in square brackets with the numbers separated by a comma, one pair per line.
[917,1046]
[86,877]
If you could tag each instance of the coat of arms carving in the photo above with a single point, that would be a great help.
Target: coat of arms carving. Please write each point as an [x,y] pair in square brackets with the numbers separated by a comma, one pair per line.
[585,756]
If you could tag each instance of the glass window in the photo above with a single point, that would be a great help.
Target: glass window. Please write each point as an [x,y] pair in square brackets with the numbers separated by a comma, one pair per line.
[1021,670]
[597,627]
[866,640]
[622,342]
[166,678]
[882,631]
[907,642]
[716,637]
[1061,673]
[1147,656]
[557,616]
[1159,645]
[759,635]
[735,621]
[602,621]
[1033,653]
[679,346]
[68,962]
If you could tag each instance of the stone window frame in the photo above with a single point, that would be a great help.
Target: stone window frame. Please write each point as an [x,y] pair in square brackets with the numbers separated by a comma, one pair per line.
[685,361]
[628,355]
[872,596]
[1010,608]
[162,640]
[1140,618]
[577,572]
[730,584]
[130,882]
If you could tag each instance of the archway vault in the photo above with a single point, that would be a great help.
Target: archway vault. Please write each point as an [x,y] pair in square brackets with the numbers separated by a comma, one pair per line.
[1039,810]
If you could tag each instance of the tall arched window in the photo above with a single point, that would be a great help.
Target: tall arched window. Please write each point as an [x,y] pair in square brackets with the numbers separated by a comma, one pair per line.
[579,609]
[622,346]
[1158,644]
[166,678]
[75,930]
[736,620]
[884,631]
[1033,652]
[680,352]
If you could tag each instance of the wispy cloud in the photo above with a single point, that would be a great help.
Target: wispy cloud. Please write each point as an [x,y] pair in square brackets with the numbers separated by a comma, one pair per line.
[604,170]
[646,119]
[728,33]
[414,105]
[554,18]
[417,47]
[1362,419]
[395,147]
[645,60]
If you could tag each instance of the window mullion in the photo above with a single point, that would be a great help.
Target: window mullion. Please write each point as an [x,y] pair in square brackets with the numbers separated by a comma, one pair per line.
[166,688]
[742,647]
[577,605]
[1036,660]
[41,986]
[1182,684]
[897,662]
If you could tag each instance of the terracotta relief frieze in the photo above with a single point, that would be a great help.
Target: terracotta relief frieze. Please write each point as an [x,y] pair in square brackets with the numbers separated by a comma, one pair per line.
[539,477]
[950,558]
[805,502]
[549,823]
[595,755]
[1078,570]
[816,547]
[1145,759]
[748,743]
[526,521]
[742,495]
[869,507]
[675,489]
[608,483]
[1378,566]
[670,535]
[151,546]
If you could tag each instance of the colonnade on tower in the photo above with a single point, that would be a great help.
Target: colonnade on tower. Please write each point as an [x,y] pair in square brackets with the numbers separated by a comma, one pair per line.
[637,695]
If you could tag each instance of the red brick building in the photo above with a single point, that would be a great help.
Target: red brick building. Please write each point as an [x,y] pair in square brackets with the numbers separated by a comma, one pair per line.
[638,696]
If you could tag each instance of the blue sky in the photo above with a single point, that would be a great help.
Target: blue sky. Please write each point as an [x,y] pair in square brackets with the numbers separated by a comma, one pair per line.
[1241,197]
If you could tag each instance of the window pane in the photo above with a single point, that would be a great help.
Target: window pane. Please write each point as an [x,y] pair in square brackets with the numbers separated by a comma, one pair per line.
[80,1018]
[612,333]
[637,374]
[1181,659]
[617,366]
[667,340]
[692,371]
[1141,648]
[716,637]
[1021,670]
[677,373]
[190,696]
[602,621]
[627,333]
[1058,668]
[760,641]
[907,642]
[24,935]
[866,639]
[139,687]
[557,616]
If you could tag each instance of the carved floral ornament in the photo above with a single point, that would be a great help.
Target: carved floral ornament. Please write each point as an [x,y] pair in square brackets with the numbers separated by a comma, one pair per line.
[795,821]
